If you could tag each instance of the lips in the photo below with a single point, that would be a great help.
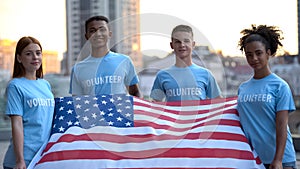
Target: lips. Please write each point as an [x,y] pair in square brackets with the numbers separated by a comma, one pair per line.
[35,63]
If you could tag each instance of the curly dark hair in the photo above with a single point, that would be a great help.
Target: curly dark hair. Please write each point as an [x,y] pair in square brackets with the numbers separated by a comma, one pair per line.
[270,36]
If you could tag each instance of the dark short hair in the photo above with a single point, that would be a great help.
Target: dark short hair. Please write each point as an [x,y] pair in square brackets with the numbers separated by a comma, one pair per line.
[19,70]
[95,18]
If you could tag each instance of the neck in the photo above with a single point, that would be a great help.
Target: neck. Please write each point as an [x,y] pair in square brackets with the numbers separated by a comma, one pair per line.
[259,74]
[99,52]
[183,62]
[30,76]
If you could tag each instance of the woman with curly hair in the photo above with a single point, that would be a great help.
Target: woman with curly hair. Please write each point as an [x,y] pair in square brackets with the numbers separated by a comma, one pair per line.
[265,100]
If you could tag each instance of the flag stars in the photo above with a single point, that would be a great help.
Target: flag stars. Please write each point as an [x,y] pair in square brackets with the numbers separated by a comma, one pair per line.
[111,100]
[110,114]
[86,110]
[69,102]
[96,105]
[104,102]
[86,102]
[119,118]
[102,113]
[69,123]
[119,111]
[70,111]
[85,118]
[128,124]
[61,129]
[78,106]
[119,98]
[76,123]
[94,115]
[61,118]
[127,114]
[110,123]
[61,108]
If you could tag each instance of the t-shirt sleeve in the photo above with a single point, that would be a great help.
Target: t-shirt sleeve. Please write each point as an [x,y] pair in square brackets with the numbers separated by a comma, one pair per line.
[284,99]
[131,78]
[75,87]
[14,101]
[213,89]
[157,91]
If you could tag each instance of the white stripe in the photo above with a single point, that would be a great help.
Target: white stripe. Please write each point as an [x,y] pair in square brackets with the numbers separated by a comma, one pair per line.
[183,107]
[147,130]
[152,163]
[150,145]
[182,115]
[180,125]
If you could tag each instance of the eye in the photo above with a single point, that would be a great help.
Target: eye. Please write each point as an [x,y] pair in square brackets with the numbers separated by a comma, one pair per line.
[38,53]
[92,30]
[187,41]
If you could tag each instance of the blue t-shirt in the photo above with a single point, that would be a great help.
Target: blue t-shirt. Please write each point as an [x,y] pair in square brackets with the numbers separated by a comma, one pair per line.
[189,83]
[258,102]
[109,74]
[34,101]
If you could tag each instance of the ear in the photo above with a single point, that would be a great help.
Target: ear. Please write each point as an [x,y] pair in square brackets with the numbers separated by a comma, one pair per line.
[110,34]
[268,54]
[19,58]
[171,45]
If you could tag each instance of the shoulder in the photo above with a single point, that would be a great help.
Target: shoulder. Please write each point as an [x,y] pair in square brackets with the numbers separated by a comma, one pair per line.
[15,82]
[120,56]
[44,81]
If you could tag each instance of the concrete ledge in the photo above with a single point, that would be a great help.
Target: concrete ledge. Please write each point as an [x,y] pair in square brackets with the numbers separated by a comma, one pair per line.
[5,134]
[296,141]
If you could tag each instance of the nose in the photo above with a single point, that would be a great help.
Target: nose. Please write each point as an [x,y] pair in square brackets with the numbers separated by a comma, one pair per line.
[255,57]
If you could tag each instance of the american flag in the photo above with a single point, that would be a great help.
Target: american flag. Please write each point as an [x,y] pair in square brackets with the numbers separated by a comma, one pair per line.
[121,131]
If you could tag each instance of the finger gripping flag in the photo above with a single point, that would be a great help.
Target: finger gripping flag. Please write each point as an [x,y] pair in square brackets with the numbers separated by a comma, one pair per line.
[121,131]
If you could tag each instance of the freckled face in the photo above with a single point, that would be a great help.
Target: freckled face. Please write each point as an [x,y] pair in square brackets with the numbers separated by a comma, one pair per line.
[31,57]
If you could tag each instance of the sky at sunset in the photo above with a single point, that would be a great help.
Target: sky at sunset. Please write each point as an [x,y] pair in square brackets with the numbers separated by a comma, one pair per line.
[219,21]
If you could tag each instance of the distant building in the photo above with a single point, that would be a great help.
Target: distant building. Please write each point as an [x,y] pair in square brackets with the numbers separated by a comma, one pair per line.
[51,62]
[290,73]
[125,24]
[7,54]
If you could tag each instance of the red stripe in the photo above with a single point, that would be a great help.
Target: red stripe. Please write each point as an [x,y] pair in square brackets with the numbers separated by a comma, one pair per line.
[150,108]
[192,102]
[154,153]
[146,137]
[173,128]
[178,120]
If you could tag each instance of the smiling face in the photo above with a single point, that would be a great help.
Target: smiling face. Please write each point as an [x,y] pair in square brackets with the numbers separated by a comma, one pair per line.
[31,58]
[98,33]
[182,43]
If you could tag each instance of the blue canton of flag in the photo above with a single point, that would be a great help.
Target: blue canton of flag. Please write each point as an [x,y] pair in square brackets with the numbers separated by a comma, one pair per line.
[90,111]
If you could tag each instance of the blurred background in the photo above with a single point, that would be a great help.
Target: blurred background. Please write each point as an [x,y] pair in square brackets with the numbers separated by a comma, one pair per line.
[141,29]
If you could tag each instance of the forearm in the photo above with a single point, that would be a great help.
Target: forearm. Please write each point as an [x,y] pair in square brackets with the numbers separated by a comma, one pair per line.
[134,91]
[281,134]
[18,138]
